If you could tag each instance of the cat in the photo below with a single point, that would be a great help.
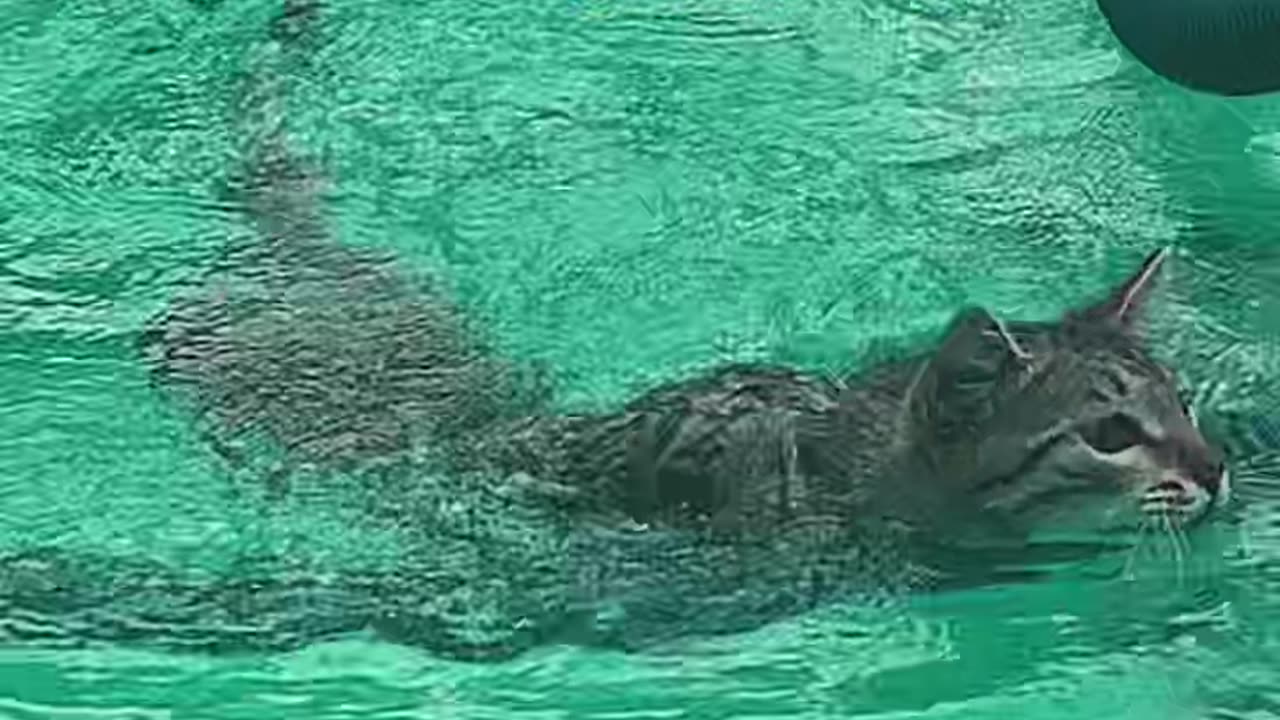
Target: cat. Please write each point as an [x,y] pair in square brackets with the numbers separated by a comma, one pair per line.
[707,505]
[334,356]
[720,504]
[1005,431]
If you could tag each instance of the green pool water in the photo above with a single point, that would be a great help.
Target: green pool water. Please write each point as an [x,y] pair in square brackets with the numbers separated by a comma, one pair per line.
[628,193]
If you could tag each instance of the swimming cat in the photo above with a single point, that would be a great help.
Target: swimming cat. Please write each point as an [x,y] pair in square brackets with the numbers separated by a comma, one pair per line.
[720,504]
[333,355]
[1011,430]
[712,504]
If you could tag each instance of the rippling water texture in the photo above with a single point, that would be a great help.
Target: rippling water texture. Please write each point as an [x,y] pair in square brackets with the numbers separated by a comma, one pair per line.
[627,195]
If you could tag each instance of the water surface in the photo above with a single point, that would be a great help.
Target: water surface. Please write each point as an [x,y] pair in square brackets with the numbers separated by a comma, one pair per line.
[629,195]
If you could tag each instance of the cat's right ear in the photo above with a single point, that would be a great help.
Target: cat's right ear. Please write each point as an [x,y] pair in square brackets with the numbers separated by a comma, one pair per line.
[955,390]
[1126,305]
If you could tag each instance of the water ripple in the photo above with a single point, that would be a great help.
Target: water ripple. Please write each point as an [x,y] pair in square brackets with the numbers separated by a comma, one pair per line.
[624,195]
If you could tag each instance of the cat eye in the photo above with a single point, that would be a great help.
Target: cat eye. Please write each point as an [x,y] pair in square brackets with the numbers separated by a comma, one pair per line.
[1113,433]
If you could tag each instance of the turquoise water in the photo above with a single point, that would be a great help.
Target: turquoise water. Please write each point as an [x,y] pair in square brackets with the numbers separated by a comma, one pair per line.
[628,195]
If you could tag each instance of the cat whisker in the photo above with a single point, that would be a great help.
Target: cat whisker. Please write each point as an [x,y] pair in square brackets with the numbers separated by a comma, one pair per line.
[1143,527]
[1177,543]
[1187,552]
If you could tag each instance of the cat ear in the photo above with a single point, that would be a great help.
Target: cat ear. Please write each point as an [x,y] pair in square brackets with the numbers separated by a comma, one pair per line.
[956,389]
[1127,303]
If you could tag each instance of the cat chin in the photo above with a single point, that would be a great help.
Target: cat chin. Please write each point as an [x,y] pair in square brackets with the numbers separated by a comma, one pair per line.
[1122,517]
[1087,523]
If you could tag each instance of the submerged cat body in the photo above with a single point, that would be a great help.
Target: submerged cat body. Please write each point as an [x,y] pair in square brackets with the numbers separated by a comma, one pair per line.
[716,505]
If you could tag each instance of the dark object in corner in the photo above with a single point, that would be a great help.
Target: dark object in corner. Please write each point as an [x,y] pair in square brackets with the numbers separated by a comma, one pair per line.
[1225,47]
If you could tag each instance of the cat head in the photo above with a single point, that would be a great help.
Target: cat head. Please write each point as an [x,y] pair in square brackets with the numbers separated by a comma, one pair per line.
[1063,428]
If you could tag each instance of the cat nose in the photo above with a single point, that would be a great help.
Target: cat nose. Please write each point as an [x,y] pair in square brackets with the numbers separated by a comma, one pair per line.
[1202,462]
[1208,475]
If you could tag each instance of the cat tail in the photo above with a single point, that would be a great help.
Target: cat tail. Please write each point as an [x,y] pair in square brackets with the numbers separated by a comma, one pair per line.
[313,351]
[272,183]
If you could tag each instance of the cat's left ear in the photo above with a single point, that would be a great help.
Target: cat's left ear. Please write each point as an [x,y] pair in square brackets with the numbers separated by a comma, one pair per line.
[1127,303]
[958,385]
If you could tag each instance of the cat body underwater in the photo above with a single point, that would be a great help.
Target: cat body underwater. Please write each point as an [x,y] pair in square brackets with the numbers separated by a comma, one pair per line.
[1006,441]
[713,505]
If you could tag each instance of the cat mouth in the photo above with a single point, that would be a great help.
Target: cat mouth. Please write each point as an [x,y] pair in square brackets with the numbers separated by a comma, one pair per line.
[1179,499]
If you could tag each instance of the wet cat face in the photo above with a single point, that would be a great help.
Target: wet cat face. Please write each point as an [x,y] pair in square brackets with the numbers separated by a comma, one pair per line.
[1069,428]
[1111,443]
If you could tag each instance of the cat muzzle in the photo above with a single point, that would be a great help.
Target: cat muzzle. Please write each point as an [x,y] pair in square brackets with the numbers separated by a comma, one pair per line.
[1182,498]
